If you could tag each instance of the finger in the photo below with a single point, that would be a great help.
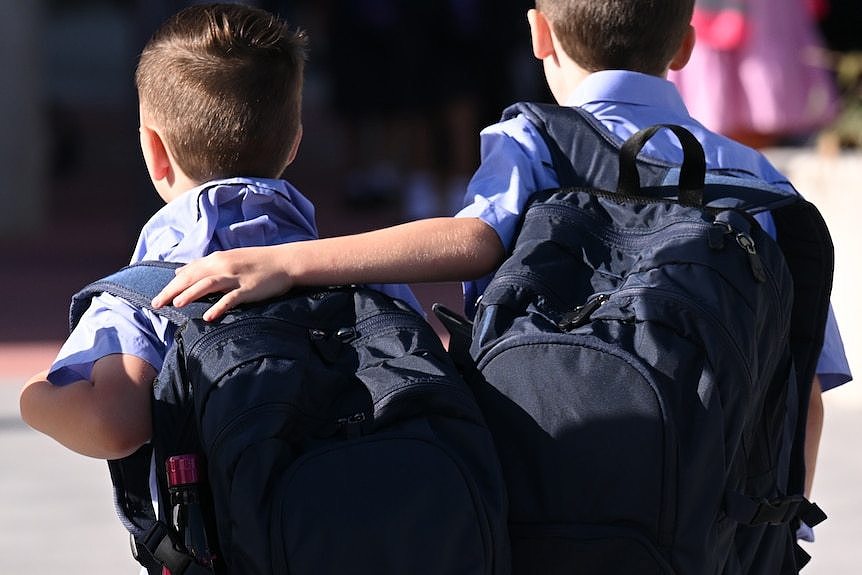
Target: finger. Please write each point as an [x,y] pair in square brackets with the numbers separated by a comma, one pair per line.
[219,308]
[176,286]
[203,287]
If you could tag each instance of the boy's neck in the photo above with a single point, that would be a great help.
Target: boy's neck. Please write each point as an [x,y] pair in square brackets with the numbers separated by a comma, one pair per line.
[569,77]
[171,188]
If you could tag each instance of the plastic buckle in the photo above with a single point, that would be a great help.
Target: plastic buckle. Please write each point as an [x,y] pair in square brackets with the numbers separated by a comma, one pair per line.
[158,541]
[777,511]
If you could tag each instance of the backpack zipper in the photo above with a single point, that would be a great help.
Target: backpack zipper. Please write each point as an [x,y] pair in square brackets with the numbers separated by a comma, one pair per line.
[634,239]
[367,327]
[595,302]
[581,314]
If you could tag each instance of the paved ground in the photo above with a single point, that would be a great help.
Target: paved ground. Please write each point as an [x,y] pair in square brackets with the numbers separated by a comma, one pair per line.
[56,514]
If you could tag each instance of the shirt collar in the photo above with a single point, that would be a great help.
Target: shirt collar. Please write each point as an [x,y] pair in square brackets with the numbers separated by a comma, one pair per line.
[625,87]
[226,214]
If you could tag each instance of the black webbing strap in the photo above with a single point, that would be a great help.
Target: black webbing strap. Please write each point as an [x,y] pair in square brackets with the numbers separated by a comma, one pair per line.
[157,546]
[594,137]
[786,511]
[152,545]
[757,511]
[460,338]
[802,557]
[811,514]
[584,153]
[692,172]
[133,501]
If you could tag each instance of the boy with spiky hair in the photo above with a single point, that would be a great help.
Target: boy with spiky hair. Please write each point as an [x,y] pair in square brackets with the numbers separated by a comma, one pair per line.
[220,90]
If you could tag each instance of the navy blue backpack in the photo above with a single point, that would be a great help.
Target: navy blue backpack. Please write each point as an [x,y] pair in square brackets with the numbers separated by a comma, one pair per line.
[644,358]
[337,435]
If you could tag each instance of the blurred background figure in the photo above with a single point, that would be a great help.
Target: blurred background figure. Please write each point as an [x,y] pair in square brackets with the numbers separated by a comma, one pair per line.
[841,22]
[411,83]
[392,76]
[759,72]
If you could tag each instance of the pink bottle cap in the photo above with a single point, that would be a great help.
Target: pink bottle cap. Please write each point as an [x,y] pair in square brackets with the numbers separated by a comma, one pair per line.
[182,469]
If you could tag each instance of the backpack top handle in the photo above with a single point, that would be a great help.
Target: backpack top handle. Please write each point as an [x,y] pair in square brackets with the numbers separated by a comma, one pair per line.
[692,172]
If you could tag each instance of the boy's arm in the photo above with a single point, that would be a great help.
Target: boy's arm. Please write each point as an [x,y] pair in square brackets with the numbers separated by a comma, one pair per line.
[108,418]
[437,249]
[813,432]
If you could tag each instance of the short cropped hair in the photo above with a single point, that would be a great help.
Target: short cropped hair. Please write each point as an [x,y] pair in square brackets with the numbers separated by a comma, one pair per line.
[224,83]
[637,35]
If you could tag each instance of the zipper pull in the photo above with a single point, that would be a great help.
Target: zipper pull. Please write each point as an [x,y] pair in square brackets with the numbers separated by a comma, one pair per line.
[346,334]
[352,424]
[746,243]
[581,314]
[717,233]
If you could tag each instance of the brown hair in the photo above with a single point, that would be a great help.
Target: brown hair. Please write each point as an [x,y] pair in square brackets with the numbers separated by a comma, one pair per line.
[224,83]
[637,35]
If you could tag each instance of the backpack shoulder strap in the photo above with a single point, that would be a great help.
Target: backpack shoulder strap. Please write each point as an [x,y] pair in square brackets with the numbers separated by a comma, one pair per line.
[807,246]
[584,153]
[564,129]
[138,284]
[153,543]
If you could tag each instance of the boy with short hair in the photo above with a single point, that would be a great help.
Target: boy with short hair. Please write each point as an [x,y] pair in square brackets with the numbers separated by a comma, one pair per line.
[609,58]
[601,44]
[220,90]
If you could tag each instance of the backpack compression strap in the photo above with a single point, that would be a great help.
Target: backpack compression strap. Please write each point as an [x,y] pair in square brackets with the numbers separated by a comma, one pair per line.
[153,544]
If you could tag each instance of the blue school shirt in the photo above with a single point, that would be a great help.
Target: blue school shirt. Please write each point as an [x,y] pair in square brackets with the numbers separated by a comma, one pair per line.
[515,163]
[218,215]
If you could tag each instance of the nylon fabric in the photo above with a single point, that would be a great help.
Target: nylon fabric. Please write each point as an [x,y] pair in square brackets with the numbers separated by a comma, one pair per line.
[633,358]
[337,433]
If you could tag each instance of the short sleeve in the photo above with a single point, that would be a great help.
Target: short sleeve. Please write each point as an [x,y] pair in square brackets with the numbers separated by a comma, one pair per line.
[832,367]
[515,163]
[109,326]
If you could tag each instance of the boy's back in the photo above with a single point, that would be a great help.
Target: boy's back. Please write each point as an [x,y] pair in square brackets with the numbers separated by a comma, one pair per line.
[211,151]
[220,100]
[516,162]
[663,351]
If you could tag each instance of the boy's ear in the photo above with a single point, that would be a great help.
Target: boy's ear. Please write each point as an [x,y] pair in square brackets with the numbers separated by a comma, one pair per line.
[683,53]
[155,154]
[540,34]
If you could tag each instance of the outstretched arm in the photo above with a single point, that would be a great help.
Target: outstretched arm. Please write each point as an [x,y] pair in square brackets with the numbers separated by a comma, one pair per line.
[107,418]
[437,249]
